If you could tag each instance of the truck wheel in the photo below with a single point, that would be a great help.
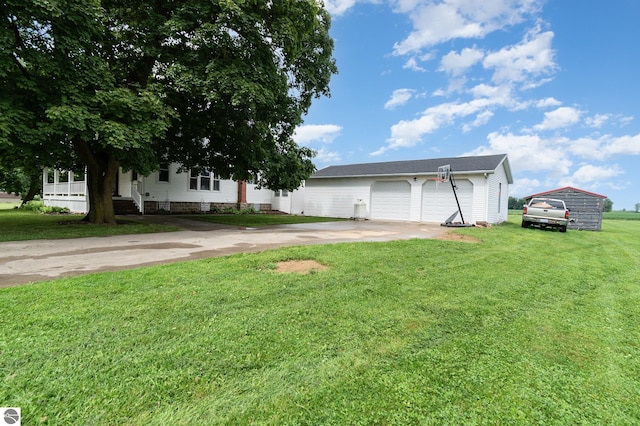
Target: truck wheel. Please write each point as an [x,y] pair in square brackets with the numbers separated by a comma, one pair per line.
[563,228]
[525,224]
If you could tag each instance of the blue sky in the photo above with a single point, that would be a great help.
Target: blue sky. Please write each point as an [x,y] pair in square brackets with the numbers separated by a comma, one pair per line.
[554,84]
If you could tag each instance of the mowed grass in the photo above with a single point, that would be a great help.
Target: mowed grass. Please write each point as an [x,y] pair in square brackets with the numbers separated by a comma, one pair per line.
[20,225]
[524,327]
[259,219]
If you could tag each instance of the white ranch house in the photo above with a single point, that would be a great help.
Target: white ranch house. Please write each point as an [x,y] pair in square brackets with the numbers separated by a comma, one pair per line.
[166,190]
[400,190]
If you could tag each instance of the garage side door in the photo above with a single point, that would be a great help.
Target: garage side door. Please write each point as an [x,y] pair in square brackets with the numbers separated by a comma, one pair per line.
[438,201]
[390,200]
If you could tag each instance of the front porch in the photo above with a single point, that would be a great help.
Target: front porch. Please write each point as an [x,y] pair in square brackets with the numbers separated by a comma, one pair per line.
[62,188]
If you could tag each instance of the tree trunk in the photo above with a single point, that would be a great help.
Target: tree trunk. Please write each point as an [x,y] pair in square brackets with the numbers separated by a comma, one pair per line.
[99,186]
[101,173]
[35,183]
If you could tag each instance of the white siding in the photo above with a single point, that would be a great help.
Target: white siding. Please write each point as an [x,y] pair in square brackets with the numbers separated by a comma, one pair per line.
[391,200]
[177,189]
[258,196]
[74,206]
[497,196]
[297,201]
[479,210]
[336,197]
[292,202]
[439,202]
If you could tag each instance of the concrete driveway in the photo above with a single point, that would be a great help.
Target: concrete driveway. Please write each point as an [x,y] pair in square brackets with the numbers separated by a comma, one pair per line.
[38,260]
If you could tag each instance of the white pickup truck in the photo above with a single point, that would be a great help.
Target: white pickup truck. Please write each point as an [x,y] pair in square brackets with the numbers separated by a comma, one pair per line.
[545,212]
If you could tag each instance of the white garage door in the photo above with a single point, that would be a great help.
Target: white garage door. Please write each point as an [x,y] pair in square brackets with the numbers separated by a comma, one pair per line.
[438,201]
[390,200]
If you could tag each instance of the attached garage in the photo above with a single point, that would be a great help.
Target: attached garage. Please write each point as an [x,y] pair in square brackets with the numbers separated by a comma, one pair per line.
[439,202]
[390,200]
[406,190]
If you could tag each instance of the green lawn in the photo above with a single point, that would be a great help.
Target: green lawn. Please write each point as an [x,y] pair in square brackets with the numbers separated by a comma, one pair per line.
[19,225]
[260,219]
[525,327]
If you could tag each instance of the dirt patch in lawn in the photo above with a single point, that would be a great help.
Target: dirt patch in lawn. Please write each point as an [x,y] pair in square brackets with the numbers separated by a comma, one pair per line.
[300,266]
[452,236]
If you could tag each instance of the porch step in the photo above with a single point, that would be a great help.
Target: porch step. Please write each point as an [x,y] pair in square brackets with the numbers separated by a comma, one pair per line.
[125,206]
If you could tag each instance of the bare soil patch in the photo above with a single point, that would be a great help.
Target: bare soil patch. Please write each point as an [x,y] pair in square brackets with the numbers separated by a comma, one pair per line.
[300,266]
[451,236]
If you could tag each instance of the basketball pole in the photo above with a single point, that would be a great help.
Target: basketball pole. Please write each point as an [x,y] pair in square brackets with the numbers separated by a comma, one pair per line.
[455,194]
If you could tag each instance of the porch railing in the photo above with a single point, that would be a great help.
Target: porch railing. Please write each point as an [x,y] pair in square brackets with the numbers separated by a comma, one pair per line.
[137,197]
[65,189]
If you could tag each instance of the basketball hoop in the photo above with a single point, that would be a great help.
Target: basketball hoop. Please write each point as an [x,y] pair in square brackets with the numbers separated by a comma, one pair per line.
[444,173]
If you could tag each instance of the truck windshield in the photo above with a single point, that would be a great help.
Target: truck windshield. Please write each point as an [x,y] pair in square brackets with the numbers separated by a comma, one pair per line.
[546,204]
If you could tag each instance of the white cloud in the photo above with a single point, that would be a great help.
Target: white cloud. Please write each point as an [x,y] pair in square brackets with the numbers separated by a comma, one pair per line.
[324,133]
[587,147]
[589,174]
[524,62]
[529,153]
[547,102]
[398,97]
[559,118]
[597,120]
[408,133]
[481,119]
[625,120]
[412,64]
[622,145]
[326,157]
[499,95]
[338,7]
[457,63]
[436,22]
[523,187]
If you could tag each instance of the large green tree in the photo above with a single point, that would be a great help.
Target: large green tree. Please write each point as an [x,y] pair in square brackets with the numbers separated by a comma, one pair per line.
[218,84]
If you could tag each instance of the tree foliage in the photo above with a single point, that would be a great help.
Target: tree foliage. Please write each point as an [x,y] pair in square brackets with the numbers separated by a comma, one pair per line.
[216,84]
[607,206]
[516,203]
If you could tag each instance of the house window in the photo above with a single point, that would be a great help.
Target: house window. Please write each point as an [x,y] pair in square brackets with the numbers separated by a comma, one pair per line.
[51,176]
[281,193]
[134,175]
[163,173]
[276,193]
[285,193]
[203,181]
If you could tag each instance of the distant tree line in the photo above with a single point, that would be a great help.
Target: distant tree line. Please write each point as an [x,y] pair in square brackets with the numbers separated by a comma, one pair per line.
[516,203]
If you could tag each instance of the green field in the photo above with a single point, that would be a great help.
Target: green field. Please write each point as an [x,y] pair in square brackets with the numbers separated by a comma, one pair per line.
[524,326]
[620,215]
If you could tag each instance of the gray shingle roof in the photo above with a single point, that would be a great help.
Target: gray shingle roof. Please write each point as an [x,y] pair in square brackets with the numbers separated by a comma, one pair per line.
[476,164]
